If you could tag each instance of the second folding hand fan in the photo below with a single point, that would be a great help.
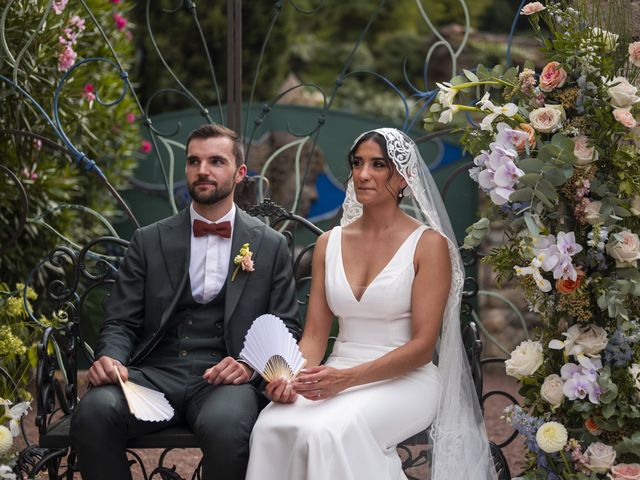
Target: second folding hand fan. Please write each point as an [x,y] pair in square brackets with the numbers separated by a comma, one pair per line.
[270,349]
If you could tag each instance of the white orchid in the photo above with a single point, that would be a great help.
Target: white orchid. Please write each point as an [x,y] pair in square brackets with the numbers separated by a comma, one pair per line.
[534,270]
[14,414]
[446,94]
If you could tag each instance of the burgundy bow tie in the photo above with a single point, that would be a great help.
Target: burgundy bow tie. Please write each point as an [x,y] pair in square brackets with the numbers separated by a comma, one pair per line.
[200,229]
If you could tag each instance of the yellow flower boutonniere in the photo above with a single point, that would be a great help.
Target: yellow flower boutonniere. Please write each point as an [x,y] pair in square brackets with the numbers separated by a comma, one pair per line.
[243,260]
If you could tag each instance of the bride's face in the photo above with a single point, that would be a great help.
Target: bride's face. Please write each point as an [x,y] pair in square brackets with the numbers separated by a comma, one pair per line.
[374,179]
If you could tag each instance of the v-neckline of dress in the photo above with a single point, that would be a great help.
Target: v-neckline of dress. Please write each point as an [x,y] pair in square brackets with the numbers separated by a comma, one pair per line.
[393,257]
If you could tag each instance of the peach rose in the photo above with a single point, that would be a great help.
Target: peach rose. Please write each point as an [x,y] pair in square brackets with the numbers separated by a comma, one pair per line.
[553,76]
[247,263]
[634,53]
[531,140]
[531,8]
[547,119]
[569,286]
[583,153]
[624,248]
[625,117]
[625,471]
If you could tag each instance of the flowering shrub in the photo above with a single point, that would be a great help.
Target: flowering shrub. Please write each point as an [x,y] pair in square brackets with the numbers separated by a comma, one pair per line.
[18,339]
[558,154]
[42,46]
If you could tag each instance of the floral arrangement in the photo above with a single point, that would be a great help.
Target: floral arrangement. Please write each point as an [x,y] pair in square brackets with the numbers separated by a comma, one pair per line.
[558,154]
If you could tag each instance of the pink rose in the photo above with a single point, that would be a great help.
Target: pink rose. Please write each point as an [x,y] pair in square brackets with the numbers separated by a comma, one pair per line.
[531,8]
[634,53]
[553,76]
[625,117]
[583,152]
[131,117]
[145,147]
[625,471]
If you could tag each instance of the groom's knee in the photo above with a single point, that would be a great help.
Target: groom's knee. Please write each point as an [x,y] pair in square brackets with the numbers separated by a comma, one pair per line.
[100,412]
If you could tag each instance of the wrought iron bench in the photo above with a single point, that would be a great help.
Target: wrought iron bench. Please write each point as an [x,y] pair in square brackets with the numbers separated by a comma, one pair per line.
[59,352]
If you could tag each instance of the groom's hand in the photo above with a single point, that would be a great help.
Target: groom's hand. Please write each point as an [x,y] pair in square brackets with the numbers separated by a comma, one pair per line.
[103,371]
[228,372]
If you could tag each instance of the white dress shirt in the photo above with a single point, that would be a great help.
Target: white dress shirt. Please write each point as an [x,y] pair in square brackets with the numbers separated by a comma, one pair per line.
[210,257]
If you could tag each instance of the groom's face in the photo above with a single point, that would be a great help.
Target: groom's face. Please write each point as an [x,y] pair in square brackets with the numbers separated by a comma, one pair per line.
[211,170]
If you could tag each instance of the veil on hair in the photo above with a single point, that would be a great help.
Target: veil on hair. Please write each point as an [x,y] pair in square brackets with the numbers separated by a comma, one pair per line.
[458,436]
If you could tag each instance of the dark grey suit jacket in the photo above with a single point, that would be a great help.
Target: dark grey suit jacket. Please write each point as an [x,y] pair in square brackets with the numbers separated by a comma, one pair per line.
[154,273]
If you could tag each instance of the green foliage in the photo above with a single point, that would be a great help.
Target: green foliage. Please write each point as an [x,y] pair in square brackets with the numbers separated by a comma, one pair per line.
[104,134]
[177,38]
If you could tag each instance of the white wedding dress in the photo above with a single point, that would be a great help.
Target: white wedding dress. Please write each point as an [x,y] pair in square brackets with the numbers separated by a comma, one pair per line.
[353,436]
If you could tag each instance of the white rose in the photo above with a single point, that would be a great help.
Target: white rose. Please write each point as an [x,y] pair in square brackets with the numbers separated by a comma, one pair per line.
[592,339]
[634,371]
[551,390]
[583,153]
[624,248]
[547,119]
[600,457]
[623,94]
[592,212]
[609,39]
[525,359]
[634,206]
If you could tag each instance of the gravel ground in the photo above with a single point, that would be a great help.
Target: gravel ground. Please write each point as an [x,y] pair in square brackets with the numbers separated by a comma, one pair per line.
[186,460]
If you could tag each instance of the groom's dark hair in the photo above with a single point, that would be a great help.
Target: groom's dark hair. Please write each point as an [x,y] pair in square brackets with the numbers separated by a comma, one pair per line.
[213,130]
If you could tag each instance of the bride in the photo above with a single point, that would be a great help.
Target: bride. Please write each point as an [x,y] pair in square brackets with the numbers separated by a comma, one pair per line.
[394,281]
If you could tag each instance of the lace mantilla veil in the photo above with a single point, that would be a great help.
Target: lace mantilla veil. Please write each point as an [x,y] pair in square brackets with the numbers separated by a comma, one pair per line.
[460,447]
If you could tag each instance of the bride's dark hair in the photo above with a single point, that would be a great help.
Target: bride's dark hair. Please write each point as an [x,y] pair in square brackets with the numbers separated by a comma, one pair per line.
[382,143]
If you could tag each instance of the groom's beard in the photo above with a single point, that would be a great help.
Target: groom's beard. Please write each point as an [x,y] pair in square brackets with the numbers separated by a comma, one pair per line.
[219,192]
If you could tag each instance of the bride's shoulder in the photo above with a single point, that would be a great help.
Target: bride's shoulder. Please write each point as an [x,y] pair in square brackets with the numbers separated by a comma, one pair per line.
[432,243]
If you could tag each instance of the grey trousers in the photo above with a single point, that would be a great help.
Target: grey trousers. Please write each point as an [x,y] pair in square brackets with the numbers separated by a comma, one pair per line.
[221,417]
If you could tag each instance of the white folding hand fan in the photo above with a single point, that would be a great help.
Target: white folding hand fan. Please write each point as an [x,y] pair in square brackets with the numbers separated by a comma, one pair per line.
[144,403]
[271,350]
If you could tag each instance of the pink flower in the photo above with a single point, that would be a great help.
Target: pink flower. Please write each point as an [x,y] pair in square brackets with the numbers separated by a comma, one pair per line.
[145,146]
[29,174]
[625,117]
[531,8]
[58,6]
[116,2]
[634,53]
[89,94]
[131,117]
[77,22]
[625,471]
[553,76]
[247,263]
[66,58]
[121,21]
[37,144]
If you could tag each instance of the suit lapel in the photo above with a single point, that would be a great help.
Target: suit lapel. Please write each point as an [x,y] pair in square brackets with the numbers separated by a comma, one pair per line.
[175,243]
[243,233]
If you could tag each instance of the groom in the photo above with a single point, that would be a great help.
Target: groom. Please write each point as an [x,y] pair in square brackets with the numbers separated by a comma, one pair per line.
[177,317]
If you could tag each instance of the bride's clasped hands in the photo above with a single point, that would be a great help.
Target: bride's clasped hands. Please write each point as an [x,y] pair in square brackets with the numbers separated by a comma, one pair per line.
[314,383]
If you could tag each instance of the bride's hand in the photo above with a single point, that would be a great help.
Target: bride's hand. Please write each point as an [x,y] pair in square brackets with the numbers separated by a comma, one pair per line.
[280,391]
[320,383]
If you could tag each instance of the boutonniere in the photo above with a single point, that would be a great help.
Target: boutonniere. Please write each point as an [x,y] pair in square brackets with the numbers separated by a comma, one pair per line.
[243,261]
